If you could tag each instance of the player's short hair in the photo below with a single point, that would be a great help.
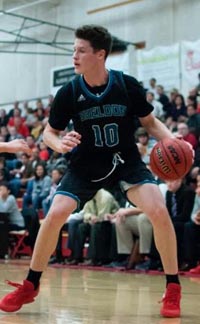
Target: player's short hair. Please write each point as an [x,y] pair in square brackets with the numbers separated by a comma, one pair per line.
[98,36]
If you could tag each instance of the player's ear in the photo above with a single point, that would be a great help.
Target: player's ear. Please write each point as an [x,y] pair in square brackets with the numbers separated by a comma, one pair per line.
[101,54]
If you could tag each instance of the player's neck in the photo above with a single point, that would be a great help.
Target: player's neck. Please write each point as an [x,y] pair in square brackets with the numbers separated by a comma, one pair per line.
[96,78]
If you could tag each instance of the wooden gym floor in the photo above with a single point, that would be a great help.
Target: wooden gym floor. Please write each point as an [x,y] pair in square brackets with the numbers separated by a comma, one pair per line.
[82,296]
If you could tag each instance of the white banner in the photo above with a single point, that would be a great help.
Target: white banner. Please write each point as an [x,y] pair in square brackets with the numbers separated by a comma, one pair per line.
[161,63]
[190,65]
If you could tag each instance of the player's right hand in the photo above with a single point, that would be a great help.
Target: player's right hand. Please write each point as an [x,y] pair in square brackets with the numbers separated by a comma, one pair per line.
[69,141]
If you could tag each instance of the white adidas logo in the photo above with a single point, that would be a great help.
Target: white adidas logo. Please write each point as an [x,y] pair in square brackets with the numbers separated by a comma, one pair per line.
[81,98]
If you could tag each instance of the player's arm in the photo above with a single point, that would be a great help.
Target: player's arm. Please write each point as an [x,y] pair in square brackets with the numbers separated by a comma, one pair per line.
[15,146]
[155,127]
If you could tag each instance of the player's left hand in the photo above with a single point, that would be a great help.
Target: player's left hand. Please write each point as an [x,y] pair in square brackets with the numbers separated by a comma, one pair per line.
[190,146]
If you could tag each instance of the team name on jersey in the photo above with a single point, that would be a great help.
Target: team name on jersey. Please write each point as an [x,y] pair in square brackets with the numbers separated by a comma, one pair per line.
[103,111]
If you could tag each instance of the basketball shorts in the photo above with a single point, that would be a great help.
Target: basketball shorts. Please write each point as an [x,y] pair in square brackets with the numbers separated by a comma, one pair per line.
[77,186]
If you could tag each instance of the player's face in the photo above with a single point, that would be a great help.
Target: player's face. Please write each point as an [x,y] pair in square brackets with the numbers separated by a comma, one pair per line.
[85,59]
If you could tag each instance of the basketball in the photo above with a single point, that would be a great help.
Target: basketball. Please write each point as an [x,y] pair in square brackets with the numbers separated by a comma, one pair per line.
[171,159]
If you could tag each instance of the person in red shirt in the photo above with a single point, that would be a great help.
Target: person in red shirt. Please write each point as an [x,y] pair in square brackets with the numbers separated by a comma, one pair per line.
[183,130]
[21,127]
[44,153]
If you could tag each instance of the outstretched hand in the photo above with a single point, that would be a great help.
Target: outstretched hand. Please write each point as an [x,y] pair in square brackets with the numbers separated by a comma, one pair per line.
[17,145]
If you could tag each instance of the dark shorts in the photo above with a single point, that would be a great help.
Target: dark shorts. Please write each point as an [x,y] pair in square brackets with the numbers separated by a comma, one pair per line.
[76,185]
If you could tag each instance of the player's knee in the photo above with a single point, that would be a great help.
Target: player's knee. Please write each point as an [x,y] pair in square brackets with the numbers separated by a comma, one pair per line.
[56,218]
[159,215]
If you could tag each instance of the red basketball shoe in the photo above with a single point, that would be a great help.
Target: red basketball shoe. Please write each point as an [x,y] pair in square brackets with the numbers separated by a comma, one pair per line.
[171,301]
[195,270]
[24,294]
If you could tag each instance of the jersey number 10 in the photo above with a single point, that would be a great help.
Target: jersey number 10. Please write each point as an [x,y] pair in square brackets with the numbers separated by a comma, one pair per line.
[109,133]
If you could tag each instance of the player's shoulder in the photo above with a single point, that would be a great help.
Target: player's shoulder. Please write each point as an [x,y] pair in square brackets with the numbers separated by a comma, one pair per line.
[130,80]
[65,88]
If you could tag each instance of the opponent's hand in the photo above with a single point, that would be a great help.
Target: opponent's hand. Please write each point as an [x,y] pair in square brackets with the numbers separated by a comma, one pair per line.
[69,141]
[18,145]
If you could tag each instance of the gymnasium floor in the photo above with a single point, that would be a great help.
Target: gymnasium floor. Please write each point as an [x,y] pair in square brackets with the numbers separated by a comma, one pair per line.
[83,296]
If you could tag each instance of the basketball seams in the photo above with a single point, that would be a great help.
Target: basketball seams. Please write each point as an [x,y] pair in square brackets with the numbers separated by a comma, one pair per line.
[168,158]
[153,164]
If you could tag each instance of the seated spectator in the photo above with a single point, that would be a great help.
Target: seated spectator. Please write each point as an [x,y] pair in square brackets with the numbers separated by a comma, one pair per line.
[183,130]
[192,235]
[176,113]
[96,229]
[152,87]
[158,107]
[193,121]
[40,113]
[35,158]
[132,225]
[3,169]
[192,100]
[4,132]
[21,175]
[56,176]
[37,189]
[49,105]
[13,134]
[30,119]
[3,118]
[56,161]
[162,97]
[20,126]
[44,153]
[11,111]
[8,205]
[144,143]
[17,114]
[37,129]
[31,142]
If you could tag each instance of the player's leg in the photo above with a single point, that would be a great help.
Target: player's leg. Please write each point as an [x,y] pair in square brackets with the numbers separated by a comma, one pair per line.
[49,231]
[149,199]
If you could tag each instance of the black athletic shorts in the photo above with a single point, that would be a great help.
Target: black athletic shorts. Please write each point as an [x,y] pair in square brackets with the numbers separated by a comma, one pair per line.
[77,185]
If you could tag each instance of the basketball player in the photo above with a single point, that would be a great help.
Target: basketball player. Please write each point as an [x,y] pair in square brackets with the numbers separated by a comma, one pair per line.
[17,145]
[103,105]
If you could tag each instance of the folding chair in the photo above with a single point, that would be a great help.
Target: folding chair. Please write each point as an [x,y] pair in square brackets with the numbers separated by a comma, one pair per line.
[17,244]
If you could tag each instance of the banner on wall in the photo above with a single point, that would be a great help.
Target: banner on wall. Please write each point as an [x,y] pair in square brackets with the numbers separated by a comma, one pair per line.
[161,63]
[60,76]
[190,65]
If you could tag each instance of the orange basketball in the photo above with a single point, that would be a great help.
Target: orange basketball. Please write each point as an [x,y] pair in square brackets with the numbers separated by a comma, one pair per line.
[171,159]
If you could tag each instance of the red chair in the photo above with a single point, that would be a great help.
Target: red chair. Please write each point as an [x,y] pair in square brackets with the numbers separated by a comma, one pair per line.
[17,244]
